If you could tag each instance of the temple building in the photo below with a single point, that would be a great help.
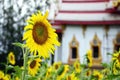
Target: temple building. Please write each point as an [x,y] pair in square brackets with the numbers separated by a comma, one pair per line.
[83,25]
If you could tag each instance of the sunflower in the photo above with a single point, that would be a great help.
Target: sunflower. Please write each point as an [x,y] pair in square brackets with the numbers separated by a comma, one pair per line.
[116,59]
[88,73]
[71,77]
[62,71]
[105,71]
[48,73]
[77,66]
[40,36]
[89,58]
[8,76]
[115,3]
[115,70]
[56,65]
[2,76]
[11,58]
[17,78]
[97,75]
[33,66]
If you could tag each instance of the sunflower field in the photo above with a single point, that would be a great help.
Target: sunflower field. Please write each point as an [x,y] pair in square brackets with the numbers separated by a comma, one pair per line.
[40,40]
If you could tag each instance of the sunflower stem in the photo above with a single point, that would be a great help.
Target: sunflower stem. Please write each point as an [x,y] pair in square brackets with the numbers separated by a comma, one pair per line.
[25,57]
[6,66]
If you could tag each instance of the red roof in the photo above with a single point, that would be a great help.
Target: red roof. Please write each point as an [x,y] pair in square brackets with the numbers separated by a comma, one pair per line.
[81,1]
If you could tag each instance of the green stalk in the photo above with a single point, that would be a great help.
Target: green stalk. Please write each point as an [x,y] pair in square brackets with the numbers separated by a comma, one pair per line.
[25,57]
[6,66]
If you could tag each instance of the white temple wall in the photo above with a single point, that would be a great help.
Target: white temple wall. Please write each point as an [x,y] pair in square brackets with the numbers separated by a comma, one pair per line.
[89,35]
[84,42]
[58,54]
[67,38]
[81,6]
[108,43]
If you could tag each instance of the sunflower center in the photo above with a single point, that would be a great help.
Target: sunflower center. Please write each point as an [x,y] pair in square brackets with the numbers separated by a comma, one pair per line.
[97,76]
[77,66]
[1,78]
[88,73]
[40,33]
[11,57]
[56,66]
[32,64]
[69,78]
[48,73]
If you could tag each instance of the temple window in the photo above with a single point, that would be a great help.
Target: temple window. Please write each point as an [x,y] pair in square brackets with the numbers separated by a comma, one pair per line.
[73,50]
[74,53]
[116,43]
[96,50]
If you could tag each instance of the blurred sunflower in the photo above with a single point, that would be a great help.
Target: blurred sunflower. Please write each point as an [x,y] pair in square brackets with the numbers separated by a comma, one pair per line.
[115,3]
[105,71]
[62,71]
[8,76]
[116,59]
[114,69]
[71,77]
[17,78]
[88,73]
[3,77]
[48,73]
[40,36]
[56,65]
[89,58]
[11,58]
[97,75]
[77,66]
[33,66]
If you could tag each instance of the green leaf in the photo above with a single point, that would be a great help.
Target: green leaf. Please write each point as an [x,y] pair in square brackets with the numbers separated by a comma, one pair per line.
[113,76]
[10,67]
[60,70]
[104,65]
[28,77]
[18,44]
[18,71]
[83,65]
